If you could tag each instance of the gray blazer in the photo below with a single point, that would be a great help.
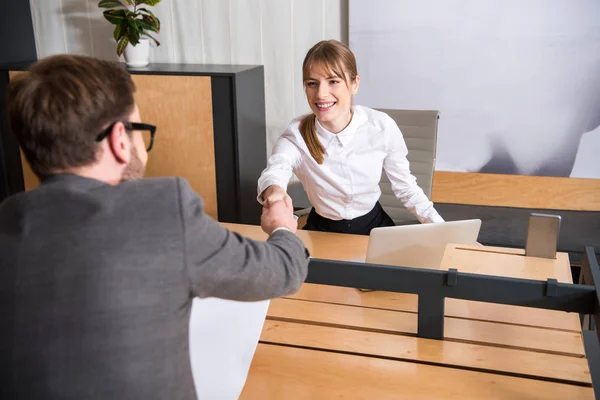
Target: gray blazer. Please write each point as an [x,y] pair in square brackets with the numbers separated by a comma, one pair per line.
[97,282]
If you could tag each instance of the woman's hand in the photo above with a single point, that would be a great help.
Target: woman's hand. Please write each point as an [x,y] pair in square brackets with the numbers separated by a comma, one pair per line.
[278,210]
[275,193]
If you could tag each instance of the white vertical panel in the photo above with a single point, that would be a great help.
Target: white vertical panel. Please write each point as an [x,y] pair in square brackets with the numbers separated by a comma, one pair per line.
[76,26]
[278,62]
[274,33]
[187,15]
[48,27]
[166,52]
[33,22]
[308,30]
[102,43]
[246,39]
[216,30]
[335,17]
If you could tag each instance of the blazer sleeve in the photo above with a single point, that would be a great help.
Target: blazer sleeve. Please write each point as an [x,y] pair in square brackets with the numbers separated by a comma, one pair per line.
[224,264]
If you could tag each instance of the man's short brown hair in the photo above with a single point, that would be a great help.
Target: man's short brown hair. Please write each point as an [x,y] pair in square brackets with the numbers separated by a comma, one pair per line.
[57,109]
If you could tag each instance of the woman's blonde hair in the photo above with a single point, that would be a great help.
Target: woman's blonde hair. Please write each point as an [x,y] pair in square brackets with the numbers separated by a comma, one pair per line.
[335,57]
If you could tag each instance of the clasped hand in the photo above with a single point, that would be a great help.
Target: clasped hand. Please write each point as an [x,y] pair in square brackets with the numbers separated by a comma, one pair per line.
[278,212]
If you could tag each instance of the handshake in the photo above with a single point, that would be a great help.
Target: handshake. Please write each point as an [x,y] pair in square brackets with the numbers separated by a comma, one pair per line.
[278,211]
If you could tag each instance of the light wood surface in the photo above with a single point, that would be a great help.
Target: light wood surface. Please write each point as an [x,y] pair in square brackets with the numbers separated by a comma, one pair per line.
[329,338]
[181,108]
[30,180]
[457,329]
[330,246]
[442,352]
[352,247]
[509,263]
[516,191]
[454,308]
[280,372]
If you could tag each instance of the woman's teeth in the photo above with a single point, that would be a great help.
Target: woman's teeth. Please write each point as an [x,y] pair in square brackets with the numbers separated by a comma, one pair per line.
[325,105]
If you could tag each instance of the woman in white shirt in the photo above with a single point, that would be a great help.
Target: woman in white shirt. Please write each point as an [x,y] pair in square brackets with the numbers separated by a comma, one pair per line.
[339,150]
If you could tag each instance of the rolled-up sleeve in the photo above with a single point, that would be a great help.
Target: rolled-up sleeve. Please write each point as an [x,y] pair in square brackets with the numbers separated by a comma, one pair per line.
[285,158]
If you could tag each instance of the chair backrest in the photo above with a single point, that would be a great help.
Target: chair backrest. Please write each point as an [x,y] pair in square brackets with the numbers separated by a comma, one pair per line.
[298,194]
[419,128]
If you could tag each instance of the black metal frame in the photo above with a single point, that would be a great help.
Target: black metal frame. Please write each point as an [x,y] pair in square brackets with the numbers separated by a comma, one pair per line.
[11,172]
[434,286]
[590,275]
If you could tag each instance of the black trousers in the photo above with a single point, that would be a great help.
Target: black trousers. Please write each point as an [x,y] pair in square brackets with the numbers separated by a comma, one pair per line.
[362,225]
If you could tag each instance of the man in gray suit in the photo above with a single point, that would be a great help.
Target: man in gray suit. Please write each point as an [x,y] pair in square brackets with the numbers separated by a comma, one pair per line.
[98,267]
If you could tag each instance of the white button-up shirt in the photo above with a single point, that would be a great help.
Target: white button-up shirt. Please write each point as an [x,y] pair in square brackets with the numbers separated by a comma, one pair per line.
[346,185]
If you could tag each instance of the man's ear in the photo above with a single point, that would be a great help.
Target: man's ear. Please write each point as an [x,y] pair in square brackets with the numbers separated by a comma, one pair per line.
[120,143]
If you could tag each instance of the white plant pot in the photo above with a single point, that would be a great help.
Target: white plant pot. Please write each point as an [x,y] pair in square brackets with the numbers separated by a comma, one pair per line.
[138,55]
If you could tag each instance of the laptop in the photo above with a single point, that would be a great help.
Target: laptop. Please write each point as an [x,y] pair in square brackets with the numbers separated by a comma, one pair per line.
[420,245]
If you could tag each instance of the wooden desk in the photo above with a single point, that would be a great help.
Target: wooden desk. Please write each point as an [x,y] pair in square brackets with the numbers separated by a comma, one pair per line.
[325,245]
[507,262]
[510,263]
[280,372]
[480,260]
[328,341]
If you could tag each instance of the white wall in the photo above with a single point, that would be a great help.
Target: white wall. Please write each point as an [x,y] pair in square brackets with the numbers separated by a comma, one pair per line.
[273,33]
[516,81]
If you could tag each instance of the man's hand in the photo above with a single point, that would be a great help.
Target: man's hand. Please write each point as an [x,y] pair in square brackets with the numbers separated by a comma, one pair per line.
[278,214]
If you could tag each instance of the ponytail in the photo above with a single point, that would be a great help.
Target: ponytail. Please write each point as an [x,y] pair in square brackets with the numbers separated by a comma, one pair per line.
[308,130]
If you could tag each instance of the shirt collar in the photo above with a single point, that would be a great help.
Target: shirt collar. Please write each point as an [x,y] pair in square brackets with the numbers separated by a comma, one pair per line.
[346,135]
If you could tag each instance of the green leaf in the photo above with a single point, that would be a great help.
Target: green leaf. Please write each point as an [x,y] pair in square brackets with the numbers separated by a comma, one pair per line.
[150,15]
[115,16]
[147,2]
[121,44]
[110,4]
[147,25]
[133,33]
[129,2]
[118,33]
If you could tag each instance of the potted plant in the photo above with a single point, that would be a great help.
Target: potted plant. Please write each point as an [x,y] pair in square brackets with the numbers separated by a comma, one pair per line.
[133,24]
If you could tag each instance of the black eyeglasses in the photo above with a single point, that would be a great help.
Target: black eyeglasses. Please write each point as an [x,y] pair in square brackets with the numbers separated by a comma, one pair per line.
[131,126]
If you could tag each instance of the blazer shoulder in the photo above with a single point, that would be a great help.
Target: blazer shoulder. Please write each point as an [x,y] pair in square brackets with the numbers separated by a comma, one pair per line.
[170,189]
